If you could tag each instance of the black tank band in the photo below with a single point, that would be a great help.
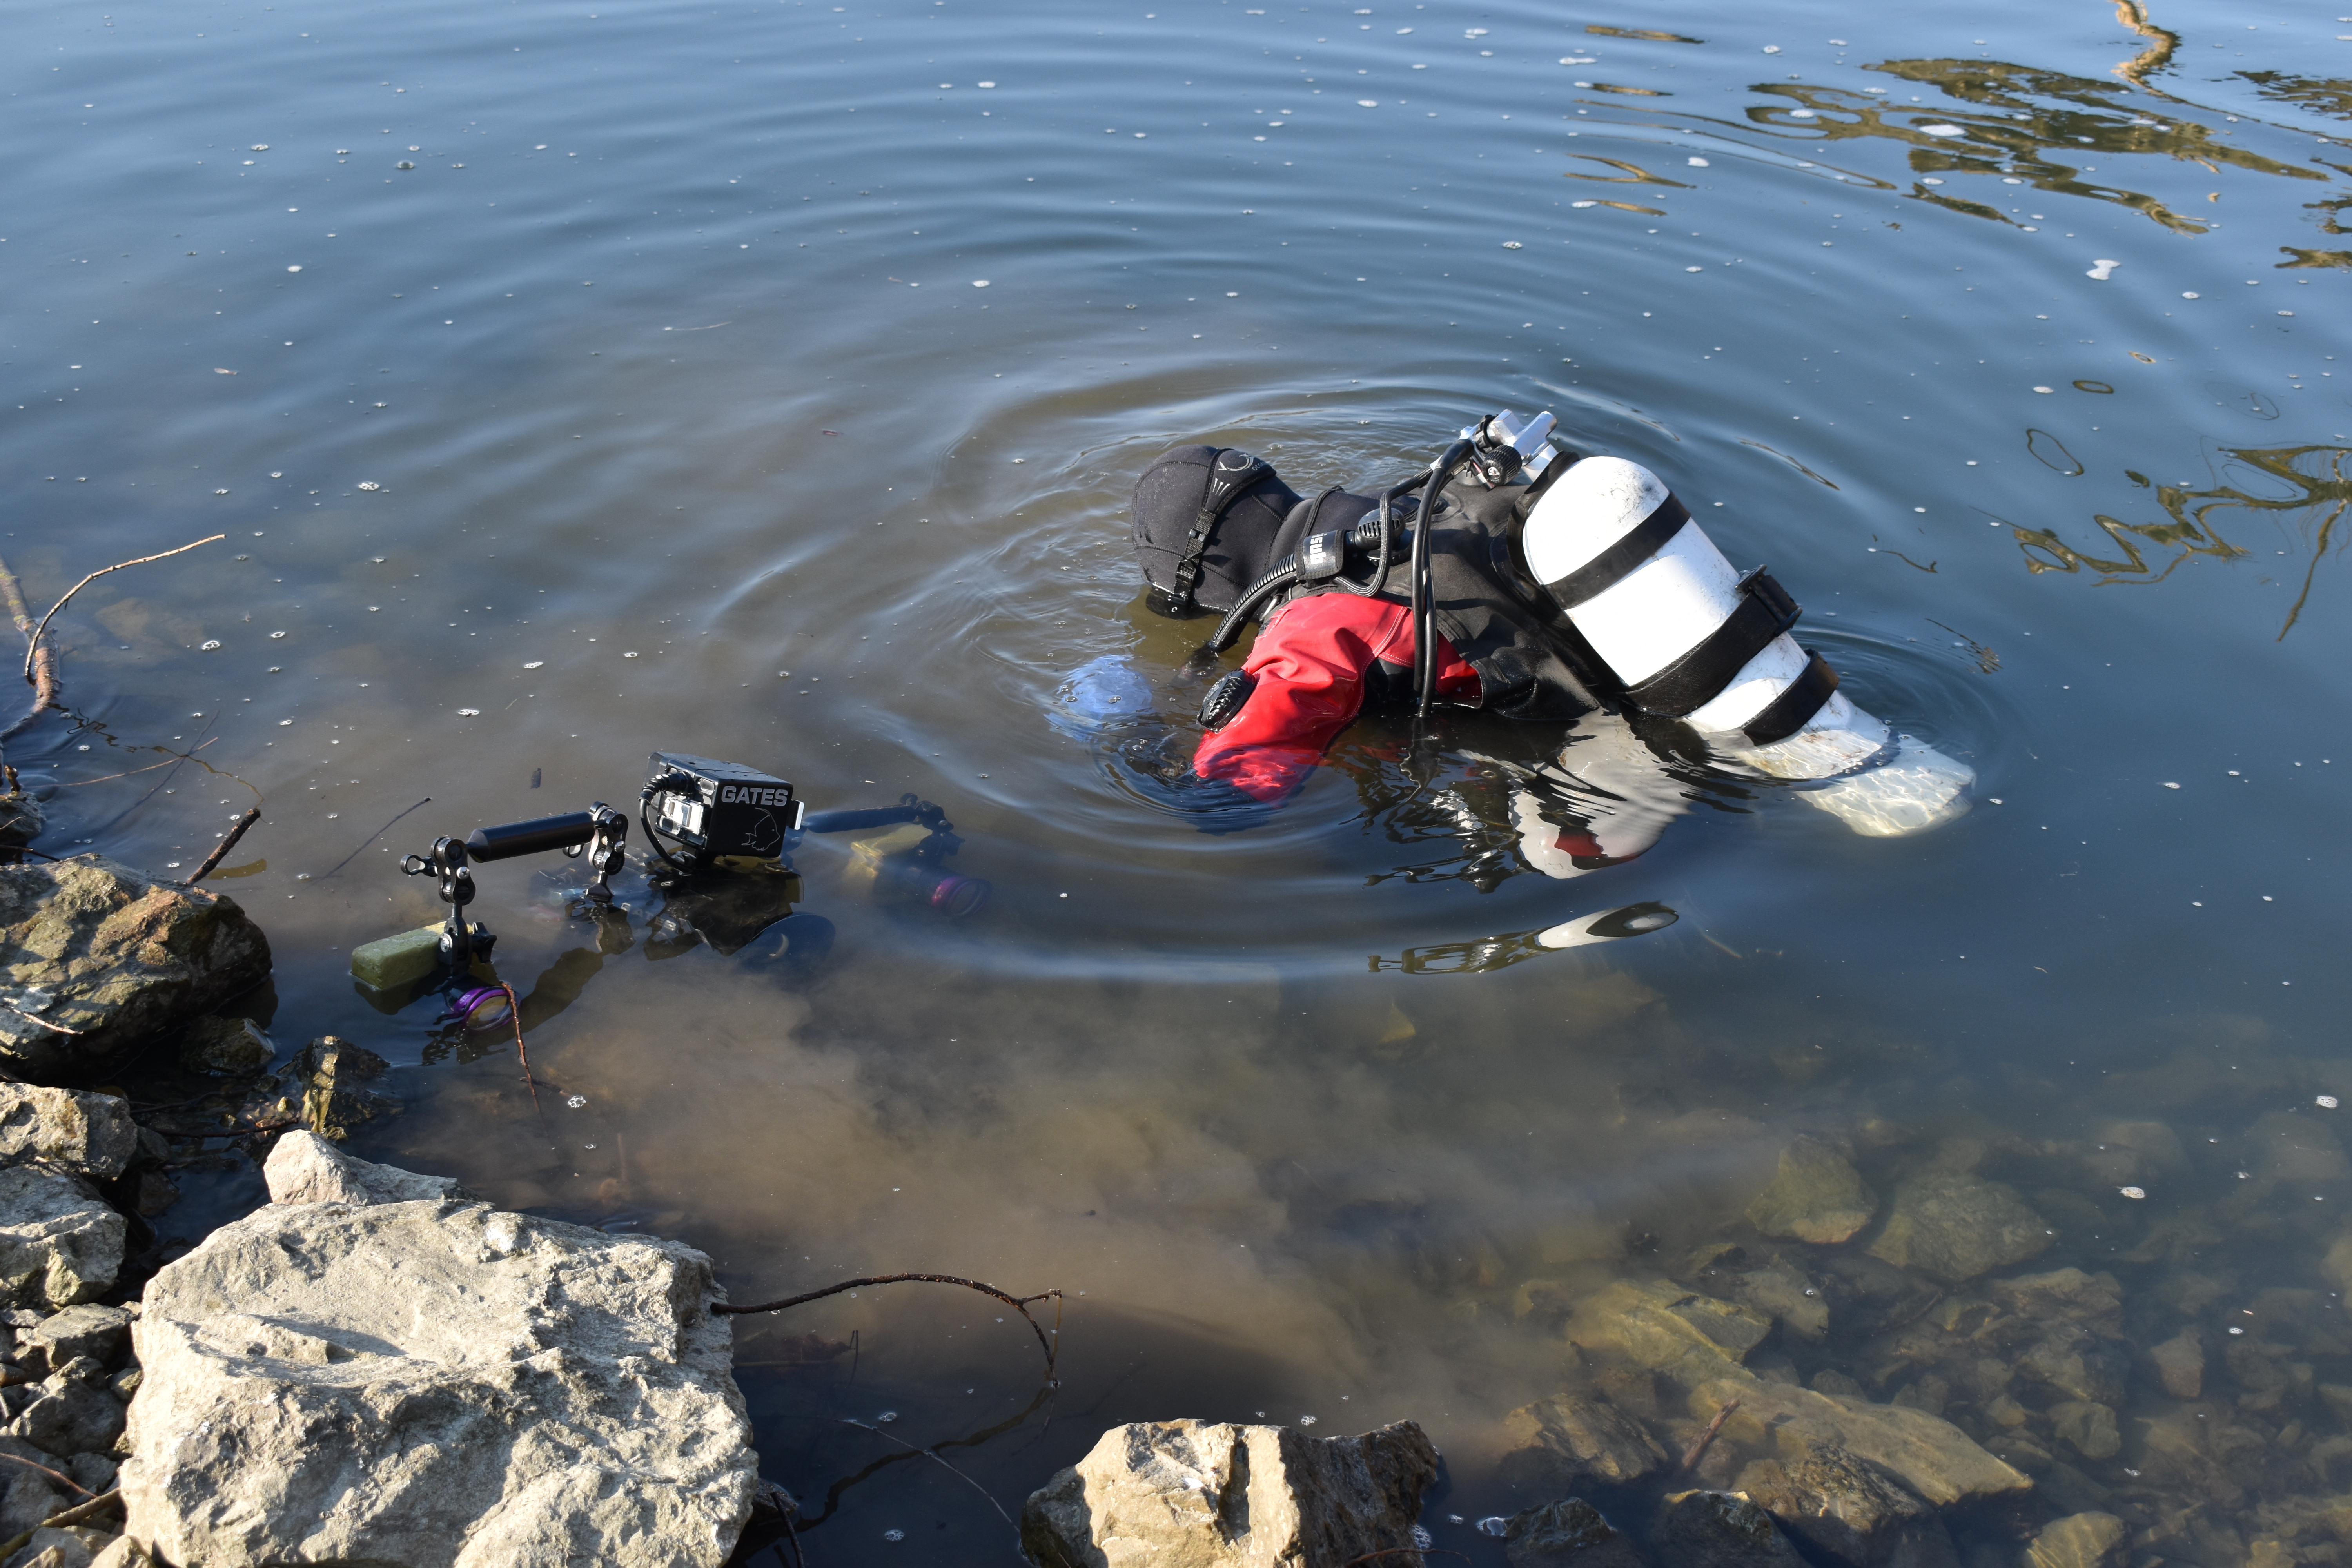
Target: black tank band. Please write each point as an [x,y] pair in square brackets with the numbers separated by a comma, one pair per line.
[1606,570]
[1790,711]
[1696,678]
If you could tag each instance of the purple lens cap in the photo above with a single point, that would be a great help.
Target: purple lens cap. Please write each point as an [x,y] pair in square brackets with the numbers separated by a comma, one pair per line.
[483,1008]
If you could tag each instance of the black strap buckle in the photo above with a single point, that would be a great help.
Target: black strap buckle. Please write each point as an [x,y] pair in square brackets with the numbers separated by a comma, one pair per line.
[1231,474]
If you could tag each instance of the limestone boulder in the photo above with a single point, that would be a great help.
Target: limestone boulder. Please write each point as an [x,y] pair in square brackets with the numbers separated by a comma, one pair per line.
[1955,1226]
[304,1168]
[1566,1445]
[1216,1495]
[91,1134]
[2179,1364]
[58,1244]
[96,959]
[437,1384]
[1571,1533]
[1816,1195]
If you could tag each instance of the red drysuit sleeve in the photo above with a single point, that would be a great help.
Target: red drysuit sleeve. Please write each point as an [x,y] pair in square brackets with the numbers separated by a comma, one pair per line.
[1309,663]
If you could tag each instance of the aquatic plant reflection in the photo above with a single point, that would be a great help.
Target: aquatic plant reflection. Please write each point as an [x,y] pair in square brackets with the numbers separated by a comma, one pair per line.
[2010,129]
[2316,490]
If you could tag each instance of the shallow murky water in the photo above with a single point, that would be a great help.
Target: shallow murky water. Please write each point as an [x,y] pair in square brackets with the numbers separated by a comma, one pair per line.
[766,381]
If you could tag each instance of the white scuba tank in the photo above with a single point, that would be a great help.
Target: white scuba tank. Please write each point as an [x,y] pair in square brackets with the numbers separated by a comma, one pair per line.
[1690,637]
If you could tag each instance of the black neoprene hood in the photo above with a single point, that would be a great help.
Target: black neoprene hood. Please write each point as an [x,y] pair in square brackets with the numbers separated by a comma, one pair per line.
[1242,544]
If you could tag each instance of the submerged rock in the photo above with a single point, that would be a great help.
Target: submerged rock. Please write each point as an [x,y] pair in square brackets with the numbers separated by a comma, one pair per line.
[1718,1530]
[225,1048]
[1815,1196]
[1786,1292]
[330,1070]
[1663,1328]
[95,948]
[58,1244]
[437,1385]
[1831,1498]
[1927,1453]
[1956,1226]
[1210,1494]
[2078,1541]
[1565,1444]
[2088,1426]
[304,1168]
[1566,1534]
[2179,1364]
[91,1134]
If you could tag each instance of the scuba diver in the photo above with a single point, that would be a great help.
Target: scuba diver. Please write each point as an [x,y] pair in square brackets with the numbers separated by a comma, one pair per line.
[1519,580]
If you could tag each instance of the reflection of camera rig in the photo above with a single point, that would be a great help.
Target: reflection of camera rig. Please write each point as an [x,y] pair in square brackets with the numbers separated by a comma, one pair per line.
[719,815]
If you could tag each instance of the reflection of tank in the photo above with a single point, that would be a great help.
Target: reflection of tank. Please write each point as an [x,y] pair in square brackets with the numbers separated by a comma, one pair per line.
[1693,639]
[1607,799]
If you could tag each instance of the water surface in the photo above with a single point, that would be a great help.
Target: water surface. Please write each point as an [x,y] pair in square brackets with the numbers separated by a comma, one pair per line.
[766,381]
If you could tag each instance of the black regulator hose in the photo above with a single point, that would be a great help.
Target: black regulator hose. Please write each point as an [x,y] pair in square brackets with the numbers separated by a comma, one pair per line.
[1424,650]
[1229,628]
[1379,581]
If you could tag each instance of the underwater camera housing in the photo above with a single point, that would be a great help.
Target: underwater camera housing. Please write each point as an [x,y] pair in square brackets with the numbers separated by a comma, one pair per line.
[717,810]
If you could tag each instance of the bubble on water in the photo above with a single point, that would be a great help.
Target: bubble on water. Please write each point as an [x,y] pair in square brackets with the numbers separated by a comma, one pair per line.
[979,282]
[1699,164]
[367,485]
[901,1535]
[2169,785]
[1941,131]
[1584,203]
[220,492]
[2133,1191]
[1367,103]
[576,1101]
[1307,1421]
[1494,1524]
[887,1416]
[2326,1103]
[403,164]
[2102,268]
[469,712]
[2045,389]
[289,269]
[276,636]
[1800,114]
[1771,49]
[1423,1538]
[1513,245]
[276,475]
[210,644]
[2189,294]
[628,656]
[534,664]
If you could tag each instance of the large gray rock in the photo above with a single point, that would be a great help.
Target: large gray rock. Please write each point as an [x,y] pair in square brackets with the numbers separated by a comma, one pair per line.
[304,1168]
[1567,1444]
[435,1385]
[1815,1196]
[89,1134]
[58,1244]
[1957,1225]
[1571,1533]
[93,947]
[1205,1494]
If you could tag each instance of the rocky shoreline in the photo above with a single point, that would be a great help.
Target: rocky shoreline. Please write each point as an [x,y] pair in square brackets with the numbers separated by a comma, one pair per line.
[1887,1358]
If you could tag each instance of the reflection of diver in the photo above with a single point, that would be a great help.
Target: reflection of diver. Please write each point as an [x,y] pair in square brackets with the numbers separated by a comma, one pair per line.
[1522,582]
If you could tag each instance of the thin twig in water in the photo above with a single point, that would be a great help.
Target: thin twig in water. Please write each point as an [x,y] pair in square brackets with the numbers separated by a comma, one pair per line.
[143,560]
[176,763]
[57,1028]
[1018,1304]
[135,772]
[41,661]
[943,1465]
[252,815]
[372,837]
[53,1475]
[1697,1450]
[514,1011]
